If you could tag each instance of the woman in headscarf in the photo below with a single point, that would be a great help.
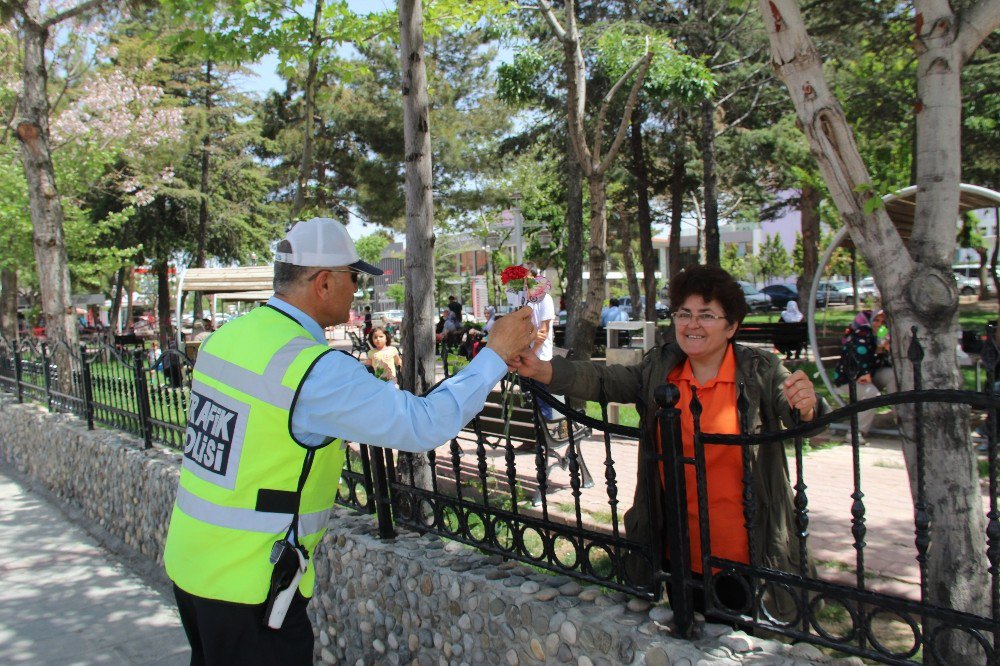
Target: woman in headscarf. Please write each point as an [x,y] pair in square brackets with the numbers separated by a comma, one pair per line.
[873,371]
[791,313]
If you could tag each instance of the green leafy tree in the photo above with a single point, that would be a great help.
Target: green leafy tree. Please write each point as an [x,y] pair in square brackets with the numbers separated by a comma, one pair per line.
[733,262]
[774,260]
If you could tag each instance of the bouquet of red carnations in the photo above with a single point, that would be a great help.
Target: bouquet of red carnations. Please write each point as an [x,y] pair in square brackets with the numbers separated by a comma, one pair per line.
[521,287]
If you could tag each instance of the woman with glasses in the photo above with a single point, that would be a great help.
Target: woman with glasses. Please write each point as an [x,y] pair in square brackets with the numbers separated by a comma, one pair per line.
[705,360]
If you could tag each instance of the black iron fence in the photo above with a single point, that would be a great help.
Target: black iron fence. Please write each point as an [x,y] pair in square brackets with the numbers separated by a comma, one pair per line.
[517,482]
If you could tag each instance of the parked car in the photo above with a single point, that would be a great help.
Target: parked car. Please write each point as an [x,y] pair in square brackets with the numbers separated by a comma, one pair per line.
[625,303]
[388,318]
[836,291]
[757,301]
[967,276]
[868,289]
[780,294]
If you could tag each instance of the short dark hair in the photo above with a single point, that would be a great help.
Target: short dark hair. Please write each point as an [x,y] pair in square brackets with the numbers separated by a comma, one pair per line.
[614,302]
[371,336]
[712,284]
[286,275]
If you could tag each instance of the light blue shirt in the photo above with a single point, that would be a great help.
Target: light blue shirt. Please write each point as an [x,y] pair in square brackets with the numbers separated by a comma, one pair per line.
[613,313]
[340,398]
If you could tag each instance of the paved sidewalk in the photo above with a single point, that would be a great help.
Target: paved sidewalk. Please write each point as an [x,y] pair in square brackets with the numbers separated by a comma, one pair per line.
[66,600]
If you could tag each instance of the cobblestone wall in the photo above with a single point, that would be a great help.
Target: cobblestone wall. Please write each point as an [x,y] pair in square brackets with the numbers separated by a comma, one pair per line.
[415,599]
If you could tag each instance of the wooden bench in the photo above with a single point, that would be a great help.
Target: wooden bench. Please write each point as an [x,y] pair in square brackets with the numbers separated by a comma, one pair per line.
[791,339]
[600,339]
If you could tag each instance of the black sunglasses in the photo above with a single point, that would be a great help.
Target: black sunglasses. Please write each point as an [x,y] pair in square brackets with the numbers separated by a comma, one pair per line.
[354,274]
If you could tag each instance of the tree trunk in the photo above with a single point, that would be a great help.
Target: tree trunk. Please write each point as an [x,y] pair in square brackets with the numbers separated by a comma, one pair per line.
[116,302]
[8,304]
[994,277]
[166,331]
[128,298]
[206,147]
[628,260]
[306,165]
[984,266]
[418,337]
[916,281]
[574,250]
[677,173]
[597,255]
[646,253]
[32,128]
[711,197]
[809,219]
[594,166]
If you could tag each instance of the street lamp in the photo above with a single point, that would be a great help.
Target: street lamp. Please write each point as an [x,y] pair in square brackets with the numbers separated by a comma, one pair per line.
[544,236]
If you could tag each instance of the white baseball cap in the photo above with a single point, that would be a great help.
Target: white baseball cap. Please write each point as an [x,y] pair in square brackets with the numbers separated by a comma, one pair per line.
[323,242]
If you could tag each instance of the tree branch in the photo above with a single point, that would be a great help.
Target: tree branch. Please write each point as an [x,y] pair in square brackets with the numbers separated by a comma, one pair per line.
[10,121]
[72,12]
[602,114]
[550,17]
[976,24]
[16,8]
[626,122]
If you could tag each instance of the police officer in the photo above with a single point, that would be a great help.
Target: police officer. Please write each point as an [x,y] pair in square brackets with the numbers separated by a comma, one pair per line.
[271,405]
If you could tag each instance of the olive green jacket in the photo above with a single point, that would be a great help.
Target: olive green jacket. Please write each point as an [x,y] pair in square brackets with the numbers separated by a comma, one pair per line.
[759,375]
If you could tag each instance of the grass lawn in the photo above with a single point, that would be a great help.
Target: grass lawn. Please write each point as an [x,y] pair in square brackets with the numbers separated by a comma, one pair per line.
[831,321]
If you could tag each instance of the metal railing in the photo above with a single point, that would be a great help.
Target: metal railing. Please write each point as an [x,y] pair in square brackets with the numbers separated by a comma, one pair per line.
[923,629]
[491,488]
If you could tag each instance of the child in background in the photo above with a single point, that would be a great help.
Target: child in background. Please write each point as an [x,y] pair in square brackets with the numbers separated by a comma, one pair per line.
[383,358]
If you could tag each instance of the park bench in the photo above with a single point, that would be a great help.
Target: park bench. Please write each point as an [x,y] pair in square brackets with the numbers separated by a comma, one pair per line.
[358,344]
[789,338]
[527,431]
[600,339]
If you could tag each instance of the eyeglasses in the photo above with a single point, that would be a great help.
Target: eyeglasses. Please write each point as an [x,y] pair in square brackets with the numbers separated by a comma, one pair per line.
[704,318]
[354,273]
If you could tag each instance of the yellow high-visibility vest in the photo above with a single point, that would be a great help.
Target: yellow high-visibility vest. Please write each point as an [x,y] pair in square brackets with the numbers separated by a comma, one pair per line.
[241,469]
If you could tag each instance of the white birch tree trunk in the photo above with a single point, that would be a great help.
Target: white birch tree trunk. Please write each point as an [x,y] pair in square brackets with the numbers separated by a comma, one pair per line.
[418,335]
[916,281]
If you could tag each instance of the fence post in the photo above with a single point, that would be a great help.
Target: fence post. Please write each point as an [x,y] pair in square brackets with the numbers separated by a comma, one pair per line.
[675,507]
[380,482]
[45,375]
[142,398]
[17,376]
[88,390]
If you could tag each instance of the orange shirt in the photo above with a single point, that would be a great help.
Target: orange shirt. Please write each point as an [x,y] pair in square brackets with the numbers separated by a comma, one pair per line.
[723,462]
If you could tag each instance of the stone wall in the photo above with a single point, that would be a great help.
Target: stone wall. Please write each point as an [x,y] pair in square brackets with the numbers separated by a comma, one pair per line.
[414,599]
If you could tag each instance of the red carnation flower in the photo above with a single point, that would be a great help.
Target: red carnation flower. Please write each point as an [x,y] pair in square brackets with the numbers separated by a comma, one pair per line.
[516,272]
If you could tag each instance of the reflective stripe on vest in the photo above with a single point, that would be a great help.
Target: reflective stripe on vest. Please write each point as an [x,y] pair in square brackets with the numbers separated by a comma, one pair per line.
[265,387]
[248,520]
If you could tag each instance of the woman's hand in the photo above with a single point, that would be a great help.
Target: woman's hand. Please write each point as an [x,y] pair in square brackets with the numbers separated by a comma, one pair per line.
[528,365]
[801,395]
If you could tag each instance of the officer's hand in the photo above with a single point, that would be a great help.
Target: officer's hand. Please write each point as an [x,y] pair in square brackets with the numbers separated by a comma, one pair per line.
[512,334]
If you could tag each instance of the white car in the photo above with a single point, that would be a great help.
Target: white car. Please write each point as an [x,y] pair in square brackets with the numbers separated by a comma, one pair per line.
[868,289]
[388,318]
